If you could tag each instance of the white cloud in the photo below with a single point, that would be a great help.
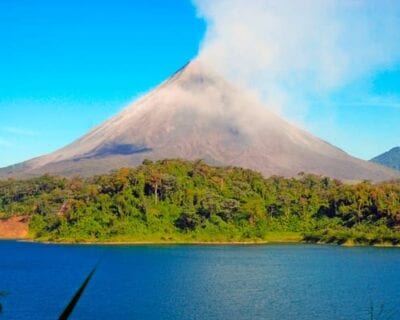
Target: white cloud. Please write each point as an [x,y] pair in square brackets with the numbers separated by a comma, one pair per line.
[292,51]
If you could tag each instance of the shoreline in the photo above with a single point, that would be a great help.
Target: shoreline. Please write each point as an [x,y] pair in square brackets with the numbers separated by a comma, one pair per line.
[200,243]
[143,243]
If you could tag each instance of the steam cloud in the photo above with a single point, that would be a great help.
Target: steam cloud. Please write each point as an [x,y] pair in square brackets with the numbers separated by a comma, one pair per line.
[291,51]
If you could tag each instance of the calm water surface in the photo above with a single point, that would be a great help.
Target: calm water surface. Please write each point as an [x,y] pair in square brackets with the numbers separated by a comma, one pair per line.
[201,282]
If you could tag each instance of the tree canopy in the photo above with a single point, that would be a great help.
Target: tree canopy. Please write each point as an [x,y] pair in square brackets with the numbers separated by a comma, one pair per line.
[177,200]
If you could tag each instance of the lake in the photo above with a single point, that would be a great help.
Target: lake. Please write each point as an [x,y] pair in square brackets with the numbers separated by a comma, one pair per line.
[200,282]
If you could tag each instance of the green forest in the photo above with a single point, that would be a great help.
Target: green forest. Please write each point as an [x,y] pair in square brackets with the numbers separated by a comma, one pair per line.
[183,202]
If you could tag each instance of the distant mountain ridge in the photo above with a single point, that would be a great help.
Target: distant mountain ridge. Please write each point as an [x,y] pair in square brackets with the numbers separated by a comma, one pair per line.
[390,159]
[197,114]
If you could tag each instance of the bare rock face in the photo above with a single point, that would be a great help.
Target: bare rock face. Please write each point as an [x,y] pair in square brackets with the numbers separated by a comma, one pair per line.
[196,114]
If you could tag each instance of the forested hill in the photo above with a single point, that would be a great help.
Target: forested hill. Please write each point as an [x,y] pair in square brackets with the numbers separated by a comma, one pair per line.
[182,201]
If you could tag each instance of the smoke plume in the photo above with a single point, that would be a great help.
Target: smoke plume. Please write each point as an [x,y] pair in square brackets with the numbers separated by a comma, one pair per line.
[289,51]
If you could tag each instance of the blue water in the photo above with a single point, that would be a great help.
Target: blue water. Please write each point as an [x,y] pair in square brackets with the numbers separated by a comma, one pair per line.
[200,282]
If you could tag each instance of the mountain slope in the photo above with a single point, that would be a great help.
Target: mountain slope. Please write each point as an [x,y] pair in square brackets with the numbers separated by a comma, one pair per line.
[390,159]
[196,114]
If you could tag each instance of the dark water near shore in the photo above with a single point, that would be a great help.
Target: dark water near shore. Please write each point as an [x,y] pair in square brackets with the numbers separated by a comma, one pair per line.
[201,282]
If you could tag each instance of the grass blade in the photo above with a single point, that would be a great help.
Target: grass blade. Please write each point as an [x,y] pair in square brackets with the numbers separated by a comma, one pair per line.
[70,308]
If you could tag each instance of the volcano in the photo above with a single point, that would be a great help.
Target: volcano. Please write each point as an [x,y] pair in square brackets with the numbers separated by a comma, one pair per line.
[197,114]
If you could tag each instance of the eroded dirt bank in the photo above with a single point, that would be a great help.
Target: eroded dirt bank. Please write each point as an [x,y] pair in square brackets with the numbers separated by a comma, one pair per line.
[14,227]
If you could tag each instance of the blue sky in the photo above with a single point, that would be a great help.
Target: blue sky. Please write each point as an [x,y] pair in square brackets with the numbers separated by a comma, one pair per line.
[66,66]
[362,118]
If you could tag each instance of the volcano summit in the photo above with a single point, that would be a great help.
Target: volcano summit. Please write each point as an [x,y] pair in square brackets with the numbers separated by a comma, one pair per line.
[197,114]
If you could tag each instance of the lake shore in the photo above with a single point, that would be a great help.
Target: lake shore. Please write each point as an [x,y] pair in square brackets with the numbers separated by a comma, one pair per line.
[198,243]
[348,244]
[139,243]
[270,238]
[17,228]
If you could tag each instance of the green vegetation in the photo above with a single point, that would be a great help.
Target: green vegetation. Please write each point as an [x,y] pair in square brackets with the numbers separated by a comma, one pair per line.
[182,201]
